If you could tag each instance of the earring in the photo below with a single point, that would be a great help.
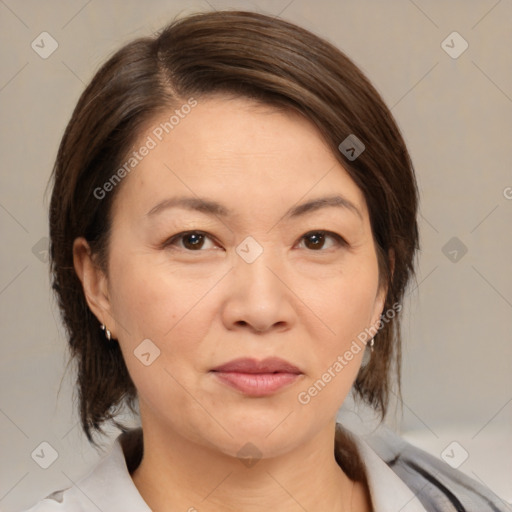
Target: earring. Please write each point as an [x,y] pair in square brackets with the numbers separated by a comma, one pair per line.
[372,342]
[108,334]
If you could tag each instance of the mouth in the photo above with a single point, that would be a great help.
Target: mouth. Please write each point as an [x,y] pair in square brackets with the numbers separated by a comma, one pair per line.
[257,378]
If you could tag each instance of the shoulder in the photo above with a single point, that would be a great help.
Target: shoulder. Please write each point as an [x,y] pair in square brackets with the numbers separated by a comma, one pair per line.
[435,483]
[107,487]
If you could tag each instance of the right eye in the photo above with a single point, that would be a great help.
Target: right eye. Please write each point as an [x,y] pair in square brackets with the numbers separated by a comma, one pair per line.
[190,241]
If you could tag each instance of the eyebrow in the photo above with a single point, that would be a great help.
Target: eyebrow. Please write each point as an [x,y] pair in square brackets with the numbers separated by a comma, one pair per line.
[214,208]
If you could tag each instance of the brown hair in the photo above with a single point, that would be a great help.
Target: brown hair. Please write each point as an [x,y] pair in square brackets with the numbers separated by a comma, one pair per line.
[245,54]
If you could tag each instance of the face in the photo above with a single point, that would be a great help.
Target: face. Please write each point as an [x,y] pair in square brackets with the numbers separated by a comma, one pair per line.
[243,251]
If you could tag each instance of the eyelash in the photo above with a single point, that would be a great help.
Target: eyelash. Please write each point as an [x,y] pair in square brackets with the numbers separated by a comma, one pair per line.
[340,241]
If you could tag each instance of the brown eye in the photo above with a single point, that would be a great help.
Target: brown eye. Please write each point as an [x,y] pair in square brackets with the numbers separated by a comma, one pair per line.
[191,241]
[318,240]
[314,241]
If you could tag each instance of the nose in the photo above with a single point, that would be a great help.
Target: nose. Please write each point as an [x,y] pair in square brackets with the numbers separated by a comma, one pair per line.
[258,297]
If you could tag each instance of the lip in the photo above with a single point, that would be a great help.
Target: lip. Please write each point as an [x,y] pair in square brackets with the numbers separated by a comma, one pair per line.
[257,378]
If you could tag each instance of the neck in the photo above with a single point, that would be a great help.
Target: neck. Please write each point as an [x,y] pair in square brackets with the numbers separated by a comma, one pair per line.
[176,474]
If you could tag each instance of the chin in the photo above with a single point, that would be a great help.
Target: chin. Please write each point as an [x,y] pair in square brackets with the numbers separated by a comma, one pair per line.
[252,446]
[258,434]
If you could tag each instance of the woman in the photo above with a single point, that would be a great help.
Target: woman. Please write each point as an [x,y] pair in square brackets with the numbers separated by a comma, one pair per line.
[233,226]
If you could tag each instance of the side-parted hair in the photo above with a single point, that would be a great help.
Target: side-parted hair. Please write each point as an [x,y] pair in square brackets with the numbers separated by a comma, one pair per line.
[243,54]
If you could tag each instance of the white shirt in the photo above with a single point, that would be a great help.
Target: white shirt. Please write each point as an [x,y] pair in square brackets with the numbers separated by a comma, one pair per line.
[110,488]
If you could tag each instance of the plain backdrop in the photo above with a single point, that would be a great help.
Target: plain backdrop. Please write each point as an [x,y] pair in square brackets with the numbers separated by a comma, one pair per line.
[455,111]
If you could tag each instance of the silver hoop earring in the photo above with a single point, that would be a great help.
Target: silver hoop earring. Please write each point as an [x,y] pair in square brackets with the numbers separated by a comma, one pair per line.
[372,342]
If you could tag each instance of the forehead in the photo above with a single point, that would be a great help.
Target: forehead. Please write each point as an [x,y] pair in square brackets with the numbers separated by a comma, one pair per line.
[238,151]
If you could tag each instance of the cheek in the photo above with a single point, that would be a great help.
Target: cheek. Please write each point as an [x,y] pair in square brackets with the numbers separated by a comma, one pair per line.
[149,298]
[346,302]
[151,301]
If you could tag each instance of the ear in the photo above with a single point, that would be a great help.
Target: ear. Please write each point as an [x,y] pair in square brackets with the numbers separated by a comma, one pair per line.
[380,299]
[94,282]
[378,307]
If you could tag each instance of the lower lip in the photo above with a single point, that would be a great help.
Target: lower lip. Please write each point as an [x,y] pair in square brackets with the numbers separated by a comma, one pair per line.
[257,384]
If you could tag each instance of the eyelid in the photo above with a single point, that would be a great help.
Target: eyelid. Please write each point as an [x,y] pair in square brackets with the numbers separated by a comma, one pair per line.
[338,238]
[170,242]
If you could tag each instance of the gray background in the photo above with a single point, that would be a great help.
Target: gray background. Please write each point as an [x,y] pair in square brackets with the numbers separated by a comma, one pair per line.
[455,114]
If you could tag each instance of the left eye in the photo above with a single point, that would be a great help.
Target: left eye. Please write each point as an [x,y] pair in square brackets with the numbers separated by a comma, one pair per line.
[317,240]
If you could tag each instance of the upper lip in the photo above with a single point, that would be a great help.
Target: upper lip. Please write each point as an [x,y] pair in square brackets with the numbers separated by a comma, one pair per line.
[248,365]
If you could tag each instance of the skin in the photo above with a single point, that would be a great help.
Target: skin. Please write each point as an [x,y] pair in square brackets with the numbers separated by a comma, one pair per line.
[299,301]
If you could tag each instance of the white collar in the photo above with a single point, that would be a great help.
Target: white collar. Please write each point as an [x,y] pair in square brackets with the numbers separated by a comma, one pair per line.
[388,492]
[109,486]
